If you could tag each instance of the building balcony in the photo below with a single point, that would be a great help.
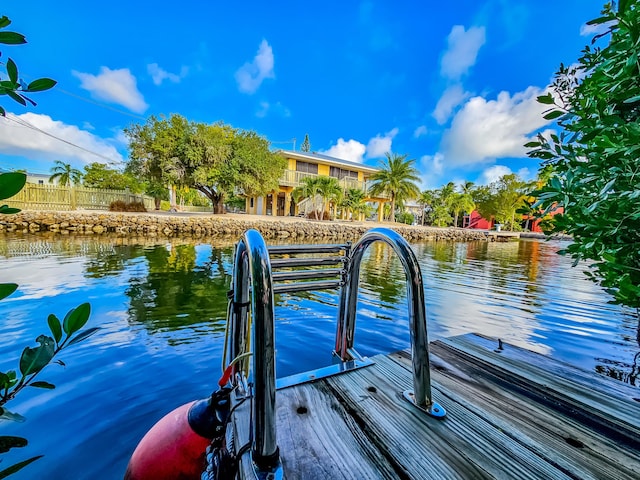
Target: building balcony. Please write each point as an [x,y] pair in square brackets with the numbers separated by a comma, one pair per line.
[293,178]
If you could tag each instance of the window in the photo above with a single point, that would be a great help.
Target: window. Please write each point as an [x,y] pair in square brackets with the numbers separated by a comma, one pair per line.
[341,173]
[306,167]
[40,182]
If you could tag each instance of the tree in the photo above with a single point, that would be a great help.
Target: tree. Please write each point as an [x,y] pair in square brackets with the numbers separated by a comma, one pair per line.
[461,202]
[309,188]
[153,148]
[65,174]
[441,205]
[595,157]
[12,85]
[306,146]
[216,159]
[99,175]
[329,190]
[353,202]
[396,178]
[501,200]
[425,200]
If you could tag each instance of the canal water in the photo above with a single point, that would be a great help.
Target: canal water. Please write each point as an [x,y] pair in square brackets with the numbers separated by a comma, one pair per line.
[161,308]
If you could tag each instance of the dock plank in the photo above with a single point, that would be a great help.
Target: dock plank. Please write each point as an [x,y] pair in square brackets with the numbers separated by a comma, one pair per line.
[591,398]
[510,414]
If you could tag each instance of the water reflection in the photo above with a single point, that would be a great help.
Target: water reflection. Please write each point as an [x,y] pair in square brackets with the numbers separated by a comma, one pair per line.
[175,291]
[161,304]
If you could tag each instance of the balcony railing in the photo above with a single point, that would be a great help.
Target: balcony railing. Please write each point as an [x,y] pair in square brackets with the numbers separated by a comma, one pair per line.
[293,178]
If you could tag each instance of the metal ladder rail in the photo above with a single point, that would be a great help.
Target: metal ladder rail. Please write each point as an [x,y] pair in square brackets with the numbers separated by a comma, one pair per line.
[253,285]
[252,268]
[421,395]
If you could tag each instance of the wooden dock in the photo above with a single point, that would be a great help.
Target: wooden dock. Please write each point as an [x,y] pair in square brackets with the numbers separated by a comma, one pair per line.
[511,413]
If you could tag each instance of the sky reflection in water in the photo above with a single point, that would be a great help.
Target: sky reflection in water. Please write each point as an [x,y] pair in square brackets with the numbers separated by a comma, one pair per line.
[162,305]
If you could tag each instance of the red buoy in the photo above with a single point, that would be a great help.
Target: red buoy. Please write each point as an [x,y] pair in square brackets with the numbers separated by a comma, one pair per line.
[171,450]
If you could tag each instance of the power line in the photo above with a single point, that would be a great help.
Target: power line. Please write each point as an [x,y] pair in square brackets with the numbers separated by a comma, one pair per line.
[26,124]
[93,102]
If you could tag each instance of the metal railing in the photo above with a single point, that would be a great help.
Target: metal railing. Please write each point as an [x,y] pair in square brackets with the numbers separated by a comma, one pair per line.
[253,291]
[421,396]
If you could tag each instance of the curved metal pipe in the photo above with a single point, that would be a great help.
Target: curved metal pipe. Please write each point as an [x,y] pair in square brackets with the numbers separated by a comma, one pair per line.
[252,265]
[417,316]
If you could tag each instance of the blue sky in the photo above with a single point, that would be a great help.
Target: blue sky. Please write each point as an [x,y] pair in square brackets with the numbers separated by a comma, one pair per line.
[451,84]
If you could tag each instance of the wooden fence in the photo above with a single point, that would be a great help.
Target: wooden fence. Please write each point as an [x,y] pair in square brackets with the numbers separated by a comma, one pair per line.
[57,197]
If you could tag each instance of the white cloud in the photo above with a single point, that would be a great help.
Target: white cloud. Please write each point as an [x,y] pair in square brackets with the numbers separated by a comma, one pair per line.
[484,130]
[588,30]
[379,145]
[431,168]
[115,86]
[277,108]
[158,74]
[493,174]
[351,150]
[23,141]
[250,76]
[462,51]
[525,174]
[450,99]
[420,131]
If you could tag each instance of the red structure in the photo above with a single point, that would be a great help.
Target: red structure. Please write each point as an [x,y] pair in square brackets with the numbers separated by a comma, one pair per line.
[476,221]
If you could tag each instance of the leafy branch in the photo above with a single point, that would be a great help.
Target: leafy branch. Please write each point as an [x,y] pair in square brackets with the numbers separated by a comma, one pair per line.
[11,84]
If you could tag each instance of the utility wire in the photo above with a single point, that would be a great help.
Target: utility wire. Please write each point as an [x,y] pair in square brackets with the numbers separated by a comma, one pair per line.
[26,124]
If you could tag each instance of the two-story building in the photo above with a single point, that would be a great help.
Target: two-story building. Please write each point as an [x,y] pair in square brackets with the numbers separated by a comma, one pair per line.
[306,164]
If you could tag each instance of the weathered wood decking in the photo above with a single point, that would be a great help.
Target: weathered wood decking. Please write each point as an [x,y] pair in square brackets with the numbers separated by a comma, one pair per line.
[510,414]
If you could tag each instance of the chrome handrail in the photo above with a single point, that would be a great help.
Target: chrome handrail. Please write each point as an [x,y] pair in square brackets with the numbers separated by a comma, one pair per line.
[421,396]
[252,267]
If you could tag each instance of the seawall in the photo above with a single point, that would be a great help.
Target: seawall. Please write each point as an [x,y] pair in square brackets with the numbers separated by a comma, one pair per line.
[164,224]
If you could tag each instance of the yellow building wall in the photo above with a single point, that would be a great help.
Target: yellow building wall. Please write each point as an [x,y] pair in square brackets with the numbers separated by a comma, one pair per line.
[323,170]
[292,164]
[360,176]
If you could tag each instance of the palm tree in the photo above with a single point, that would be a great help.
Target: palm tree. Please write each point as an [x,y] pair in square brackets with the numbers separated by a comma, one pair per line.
[425,200]
[397,178]
[65,174]
[467,187]
[353,200]
[461,202]
[330,190]
[308,189]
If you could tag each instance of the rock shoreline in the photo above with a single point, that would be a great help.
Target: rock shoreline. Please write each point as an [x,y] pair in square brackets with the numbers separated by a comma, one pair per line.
[202,226]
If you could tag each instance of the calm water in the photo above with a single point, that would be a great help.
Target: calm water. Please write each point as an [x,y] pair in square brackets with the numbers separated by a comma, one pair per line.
[162,307]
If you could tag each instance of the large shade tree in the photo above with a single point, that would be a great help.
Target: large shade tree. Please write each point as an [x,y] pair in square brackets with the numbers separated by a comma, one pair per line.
[215,159]
[396,178]
[596,155]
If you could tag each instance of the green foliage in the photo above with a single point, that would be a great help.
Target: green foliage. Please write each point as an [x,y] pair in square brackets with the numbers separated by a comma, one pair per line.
[99,175]
[11,84]
[215,159]
[353,202]
[596,176]
[309,188]
[34,359]
[501,200]
[306,146]
[10,184]
[405,217]
[65,174]
[397,178]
